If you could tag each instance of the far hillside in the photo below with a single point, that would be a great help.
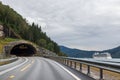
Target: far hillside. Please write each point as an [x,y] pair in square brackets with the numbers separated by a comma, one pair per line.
[115,52]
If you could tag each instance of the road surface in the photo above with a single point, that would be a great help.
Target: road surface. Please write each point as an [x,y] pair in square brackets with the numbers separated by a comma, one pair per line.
[37,68]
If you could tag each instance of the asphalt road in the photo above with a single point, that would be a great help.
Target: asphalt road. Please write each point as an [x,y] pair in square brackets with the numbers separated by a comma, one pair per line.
[37,68]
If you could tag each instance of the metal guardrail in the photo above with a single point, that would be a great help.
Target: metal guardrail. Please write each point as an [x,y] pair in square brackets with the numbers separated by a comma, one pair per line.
[73,63]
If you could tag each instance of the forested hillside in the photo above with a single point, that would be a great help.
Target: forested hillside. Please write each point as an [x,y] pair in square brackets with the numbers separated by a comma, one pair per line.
[15,22]
[115,52]
[76,52]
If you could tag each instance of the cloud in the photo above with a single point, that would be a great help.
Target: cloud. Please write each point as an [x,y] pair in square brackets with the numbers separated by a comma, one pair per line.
[83,24]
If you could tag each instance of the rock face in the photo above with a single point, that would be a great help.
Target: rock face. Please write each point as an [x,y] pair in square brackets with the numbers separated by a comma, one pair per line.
[1,31]
[1,28]
[1,34]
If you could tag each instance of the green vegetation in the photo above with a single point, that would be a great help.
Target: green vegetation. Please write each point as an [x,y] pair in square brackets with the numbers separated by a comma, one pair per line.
[15,22]
[5,41]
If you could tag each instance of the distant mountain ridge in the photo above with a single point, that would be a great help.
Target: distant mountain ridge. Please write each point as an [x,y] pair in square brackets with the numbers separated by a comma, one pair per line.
[115,52]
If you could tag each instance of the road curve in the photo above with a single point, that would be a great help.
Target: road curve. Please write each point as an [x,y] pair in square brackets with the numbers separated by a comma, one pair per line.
[37,68]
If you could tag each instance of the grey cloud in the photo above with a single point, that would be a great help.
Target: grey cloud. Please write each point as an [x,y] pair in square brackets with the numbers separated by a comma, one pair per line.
[84,24]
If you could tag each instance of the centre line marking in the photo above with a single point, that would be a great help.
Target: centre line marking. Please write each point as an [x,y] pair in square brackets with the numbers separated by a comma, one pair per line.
[26,67]
[12,76]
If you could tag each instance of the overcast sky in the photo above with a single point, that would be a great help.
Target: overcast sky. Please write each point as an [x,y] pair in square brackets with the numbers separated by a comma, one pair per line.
[82,24]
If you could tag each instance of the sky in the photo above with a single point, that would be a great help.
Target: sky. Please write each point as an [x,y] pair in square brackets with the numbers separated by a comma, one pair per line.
[81,24]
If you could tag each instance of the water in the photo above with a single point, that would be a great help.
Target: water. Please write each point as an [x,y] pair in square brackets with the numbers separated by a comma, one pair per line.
[113,61]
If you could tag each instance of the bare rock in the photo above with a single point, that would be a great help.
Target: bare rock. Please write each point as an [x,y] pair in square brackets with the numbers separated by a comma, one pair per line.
[1,34]
[1,28]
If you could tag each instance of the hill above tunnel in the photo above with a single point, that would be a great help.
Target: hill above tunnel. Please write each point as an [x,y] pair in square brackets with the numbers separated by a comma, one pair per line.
[15,26]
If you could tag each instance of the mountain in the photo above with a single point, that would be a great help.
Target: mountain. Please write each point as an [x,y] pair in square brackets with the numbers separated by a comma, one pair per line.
[115,52]
[76,52]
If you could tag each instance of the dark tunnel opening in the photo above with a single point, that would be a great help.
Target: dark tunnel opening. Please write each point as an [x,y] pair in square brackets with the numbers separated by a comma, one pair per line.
[23,50]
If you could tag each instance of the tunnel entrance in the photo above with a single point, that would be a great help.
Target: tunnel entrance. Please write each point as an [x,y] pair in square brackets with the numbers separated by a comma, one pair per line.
[23,50]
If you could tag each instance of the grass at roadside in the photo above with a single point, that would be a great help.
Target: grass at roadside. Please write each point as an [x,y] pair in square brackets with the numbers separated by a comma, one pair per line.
[3,63]
[5,41]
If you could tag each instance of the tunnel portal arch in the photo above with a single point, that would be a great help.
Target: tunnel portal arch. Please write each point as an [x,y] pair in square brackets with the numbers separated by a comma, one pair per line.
[23,49]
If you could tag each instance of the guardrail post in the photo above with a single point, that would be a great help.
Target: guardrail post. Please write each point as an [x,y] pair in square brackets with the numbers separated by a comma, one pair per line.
[81,67]
[101,74]
[64,61]
[75,65]
[88,67]
[67,62]
[70,63]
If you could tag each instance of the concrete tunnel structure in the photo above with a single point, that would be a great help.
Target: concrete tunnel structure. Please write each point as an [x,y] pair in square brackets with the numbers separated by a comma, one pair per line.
[20,48]
[23,50]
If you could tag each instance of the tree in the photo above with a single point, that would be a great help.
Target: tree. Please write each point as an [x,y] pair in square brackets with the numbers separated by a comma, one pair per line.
[50,46]
[42,43]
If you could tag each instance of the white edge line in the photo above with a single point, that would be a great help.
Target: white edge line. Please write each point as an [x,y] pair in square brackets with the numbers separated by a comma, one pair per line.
[73,75]
[7,70]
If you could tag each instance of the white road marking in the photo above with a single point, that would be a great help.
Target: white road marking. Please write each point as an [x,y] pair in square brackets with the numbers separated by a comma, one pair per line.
[73,75]
[7,70]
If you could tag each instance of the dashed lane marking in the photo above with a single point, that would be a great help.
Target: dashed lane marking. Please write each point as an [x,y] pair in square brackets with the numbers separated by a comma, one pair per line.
[12,76]
[26,67]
